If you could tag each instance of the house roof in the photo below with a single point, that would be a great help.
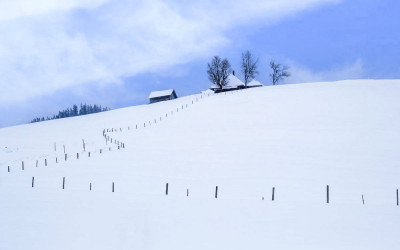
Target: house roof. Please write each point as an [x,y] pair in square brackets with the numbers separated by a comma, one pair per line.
[161,93]
[233,83]
[254,83]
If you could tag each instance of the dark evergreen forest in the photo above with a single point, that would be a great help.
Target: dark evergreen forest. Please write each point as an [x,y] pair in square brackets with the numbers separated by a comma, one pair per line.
[73,111]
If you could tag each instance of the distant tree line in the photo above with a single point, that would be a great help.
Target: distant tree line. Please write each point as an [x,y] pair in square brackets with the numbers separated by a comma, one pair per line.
[84,109]
[219,69]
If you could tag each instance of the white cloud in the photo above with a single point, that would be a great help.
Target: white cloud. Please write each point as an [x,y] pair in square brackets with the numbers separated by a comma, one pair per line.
[48,45]
[301,74]
[14,9]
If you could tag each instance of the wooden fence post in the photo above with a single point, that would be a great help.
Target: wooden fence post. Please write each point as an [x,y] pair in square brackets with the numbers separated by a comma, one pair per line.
[273,193]
[397,195]
[23,167]
[56,160]
[113,187]
[37,162]
[77,155]
[65,157]
[216,192]
[63,183]
[89,154]
[45,162]
[362,197]
[9,169]
[166,189]
[33,181]
[187,192]
[90,187]
[327,193]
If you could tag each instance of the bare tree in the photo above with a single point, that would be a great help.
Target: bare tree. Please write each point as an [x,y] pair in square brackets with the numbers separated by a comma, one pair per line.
[218,71]
[249,67]
[278,72]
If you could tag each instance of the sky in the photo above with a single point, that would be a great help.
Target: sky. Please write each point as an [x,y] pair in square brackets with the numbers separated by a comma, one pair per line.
[54,54]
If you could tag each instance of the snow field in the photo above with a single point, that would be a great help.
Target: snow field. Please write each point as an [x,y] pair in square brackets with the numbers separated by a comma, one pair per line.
[296,138]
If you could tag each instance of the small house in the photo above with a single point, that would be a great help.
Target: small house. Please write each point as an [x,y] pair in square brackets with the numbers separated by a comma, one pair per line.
[164,95]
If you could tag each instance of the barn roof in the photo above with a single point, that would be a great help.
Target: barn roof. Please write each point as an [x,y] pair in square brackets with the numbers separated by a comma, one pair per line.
[161,93]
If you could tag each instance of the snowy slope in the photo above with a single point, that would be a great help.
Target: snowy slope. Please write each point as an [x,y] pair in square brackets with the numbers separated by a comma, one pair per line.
[296,138]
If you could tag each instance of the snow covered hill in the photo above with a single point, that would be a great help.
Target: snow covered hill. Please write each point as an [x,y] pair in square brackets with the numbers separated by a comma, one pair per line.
[295,138]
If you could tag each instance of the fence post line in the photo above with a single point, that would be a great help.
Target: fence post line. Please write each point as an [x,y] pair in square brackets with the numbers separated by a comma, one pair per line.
[166,189]
[56,160]
[187,192]
[45,162]
[327,193]
[216,192]
[23,167]
[9,169]
[362,197]
[65,157]
[63,183]
[37,162]
[397,195]
[90,187]
[33,181]
[113,187]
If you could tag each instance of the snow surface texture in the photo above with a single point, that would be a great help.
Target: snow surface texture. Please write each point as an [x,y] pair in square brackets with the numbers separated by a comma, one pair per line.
[296,138]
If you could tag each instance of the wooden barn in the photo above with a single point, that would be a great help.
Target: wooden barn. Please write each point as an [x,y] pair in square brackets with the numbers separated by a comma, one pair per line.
[164,95]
